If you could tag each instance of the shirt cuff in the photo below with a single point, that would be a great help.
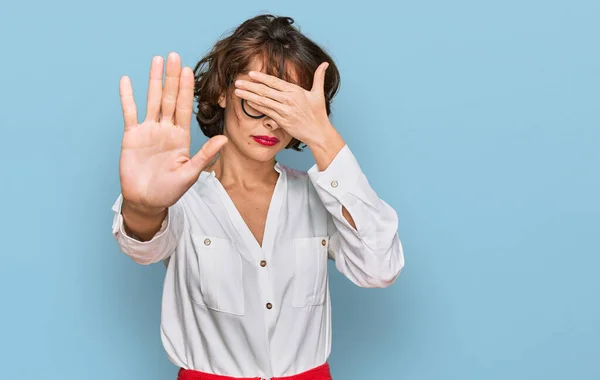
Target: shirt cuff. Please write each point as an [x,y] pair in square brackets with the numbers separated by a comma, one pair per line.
[340,177]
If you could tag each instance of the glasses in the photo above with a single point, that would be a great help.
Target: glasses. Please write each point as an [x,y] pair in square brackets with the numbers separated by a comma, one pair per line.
[251,112]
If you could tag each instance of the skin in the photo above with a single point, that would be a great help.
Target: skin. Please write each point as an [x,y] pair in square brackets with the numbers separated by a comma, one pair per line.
[156,167]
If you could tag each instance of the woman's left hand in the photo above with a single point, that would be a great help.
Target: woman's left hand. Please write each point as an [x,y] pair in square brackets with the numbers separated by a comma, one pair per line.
[299,112]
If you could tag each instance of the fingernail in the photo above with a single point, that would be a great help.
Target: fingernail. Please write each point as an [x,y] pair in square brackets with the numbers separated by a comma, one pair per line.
[239,83]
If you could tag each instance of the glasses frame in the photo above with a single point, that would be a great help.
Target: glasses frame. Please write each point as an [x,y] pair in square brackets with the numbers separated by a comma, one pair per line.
[251,116]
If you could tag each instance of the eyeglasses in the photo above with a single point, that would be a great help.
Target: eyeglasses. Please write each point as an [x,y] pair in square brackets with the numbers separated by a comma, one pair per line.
[251,112]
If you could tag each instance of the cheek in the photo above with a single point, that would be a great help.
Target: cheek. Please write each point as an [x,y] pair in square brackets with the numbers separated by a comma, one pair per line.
[286,136]
[239,131]
[233,122]
[287,139]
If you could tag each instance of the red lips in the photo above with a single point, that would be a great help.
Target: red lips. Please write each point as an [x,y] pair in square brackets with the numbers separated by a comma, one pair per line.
[266,140]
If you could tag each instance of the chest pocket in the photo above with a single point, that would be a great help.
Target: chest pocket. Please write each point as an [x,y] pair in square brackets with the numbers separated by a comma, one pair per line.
[310,277]
[214,275]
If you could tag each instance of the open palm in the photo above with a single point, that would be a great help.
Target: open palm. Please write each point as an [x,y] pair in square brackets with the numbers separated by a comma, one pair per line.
[155,164]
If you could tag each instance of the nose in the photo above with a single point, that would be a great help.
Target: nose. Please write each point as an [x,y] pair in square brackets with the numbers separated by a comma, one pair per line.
[270,123]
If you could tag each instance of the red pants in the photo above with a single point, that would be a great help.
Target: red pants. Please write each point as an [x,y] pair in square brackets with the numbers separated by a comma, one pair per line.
[319,373]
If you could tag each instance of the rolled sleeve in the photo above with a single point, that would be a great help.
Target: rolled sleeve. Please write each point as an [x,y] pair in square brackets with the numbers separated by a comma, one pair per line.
[162,244]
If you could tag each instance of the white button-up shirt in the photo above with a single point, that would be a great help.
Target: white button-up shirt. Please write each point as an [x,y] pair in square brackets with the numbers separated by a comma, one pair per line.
[234,308]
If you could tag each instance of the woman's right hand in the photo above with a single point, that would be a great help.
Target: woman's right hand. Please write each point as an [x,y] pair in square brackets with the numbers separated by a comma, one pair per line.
[155,164]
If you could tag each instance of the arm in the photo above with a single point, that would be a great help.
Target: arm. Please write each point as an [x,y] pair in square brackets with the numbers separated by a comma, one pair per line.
[140,222]
[363,232]
[324,151]
[156,246]
[155,165]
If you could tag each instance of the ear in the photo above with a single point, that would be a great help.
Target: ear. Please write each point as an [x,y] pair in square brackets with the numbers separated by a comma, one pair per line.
[223,100]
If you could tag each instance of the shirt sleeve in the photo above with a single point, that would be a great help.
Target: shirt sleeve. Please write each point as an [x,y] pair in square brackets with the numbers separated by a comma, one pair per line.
[160,247]
[370,255]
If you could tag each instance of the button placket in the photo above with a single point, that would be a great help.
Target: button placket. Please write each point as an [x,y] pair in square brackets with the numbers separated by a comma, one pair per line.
[264,274]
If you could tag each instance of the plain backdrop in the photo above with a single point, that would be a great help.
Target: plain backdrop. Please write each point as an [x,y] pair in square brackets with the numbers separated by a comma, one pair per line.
[478,121]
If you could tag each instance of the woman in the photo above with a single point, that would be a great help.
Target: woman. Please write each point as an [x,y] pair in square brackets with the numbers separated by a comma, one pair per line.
[246,290]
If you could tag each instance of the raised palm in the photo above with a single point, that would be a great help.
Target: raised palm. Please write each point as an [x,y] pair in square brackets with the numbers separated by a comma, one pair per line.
[156,168]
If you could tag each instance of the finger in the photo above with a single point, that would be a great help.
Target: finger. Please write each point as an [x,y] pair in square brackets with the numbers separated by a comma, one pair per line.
[267,111]
[128,103]
[154,89]
[319,78]
[260,100]
[185,98]
[208,151]
[169,93]
[271,81]
[262,90]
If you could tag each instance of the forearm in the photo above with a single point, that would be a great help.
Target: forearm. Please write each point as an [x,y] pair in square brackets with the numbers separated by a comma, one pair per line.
[324,148]
[367,251]
[141,222]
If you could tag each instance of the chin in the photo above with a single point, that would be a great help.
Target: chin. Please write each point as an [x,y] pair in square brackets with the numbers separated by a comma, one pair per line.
[262,154]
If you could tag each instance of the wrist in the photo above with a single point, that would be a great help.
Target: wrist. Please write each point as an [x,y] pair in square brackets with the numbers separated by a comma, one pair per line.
[326,146]
[141,210]
[140,222]
[328,137]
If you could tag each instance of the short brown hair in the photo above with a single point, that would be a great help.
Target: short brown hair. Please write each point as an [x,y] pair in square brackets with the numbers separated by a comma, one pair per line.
[279,45]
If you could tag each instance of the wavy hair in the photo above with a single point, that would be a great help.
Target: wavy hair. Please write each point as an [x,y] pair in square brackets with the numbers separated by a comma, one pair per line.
[281,48]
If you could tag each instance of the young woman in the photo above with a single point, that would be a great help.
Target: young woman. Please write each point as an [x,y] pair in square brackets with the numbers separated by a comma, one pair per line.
[247,239]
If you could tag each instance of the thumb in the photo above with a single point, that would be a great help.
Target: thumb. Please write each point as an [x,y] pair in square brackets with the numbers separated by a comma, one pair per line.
[208,151]
[319,78]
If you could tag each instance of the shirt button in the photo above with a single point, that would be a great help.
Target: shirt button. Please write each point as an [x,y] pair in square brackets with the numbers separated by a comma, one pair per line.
[263,263]
[269,305]
[206,241]
[334,183]
[323,242]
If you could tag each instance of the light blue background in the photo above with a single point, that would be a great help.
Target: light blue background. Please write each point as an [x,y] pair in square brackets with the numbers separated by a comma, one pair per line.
[477,120]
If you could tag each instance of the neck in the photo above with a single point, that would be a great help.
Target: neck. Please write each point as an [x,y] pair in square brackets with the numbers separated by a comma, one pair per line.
[233,169]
